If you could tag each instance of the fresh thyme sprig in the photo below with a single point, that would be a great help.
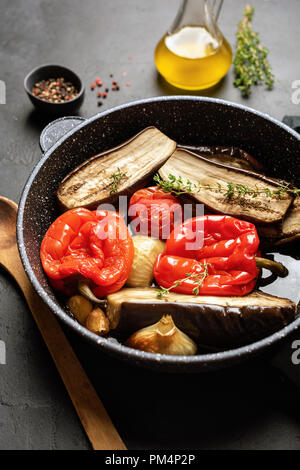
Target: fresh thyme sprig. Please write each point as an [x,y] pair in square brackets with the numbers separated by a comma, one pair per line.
[197,278]
[117,178]
[251,65]
[177,186]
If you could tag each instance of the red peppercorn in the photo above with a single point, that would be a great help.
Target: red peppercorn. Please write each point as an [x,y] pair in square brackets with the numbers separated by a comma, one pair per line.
[99,94]
[104,94]
[93,85]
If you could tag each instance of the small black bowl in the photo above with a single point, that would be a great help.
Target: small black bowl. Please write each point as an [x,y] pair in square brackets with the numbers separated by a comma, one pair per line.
[44,72]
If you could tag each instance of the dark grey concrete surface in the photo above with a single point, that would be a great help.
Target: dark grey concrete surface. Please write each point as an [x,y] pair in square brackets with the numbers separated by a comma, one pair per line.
[250,407]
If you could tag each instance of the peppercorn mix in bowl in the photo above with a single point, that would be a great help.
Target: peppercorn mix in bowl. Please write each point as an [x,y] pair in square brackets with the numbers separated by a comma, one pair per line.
[54,89]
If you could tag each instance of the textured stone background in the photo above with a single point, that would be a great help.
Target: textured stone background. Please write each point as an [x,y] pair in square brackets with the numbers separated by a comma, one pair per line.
[249,407]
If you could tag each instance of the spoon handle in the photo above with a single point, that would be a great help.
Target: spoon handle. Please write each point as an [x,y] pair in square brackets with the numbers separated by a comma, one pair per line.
[92,414]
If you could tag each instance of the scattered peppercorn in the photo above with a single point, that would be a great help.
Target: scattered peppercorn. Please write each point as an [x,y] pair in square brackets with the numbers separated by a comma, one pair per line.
[54,90]
[114,87]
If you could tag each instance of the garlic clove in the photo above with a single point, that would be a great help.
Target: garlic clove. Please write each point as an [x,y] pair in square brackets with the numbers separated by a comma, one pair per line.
[97,322]
[80,307]
[146,250]
[163,337]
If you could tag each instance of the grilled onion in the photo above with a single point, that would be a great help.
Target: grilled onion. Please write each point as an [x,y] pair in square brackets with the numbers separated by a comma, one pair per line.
[146,250]
[163,337]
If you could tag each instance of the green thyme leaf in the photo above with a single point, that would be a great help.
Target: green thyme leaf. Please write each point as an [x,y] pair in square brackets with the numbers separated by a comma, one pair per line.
[198,279]
[117,178]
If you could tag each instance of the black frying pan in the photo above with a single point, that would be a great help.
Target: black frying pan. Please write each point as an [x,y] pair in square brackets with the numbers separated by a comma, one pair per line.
[189,121]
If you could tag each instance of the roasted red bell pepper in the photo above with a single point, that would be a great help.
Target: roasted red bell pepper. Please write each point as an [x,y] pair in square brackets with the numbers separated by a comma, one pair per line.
[224,264]
[154,212]
[82,244]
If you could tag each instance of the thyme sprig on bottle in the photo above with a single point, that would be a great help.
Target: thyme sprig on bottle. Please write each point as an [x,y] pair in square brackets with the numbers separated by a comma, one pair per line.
[177,186]
[117,178]
[251,65]
[197,278]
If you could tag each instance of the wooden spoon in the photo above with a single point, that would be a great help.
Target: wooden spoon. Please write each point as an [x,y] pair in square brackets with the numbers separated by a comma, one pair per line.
[92,414]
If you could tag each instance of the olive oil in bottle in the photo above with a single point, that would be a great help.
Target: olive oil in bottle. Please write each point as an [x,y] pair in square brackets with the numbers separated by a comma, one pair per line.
[194,54]
[192,58]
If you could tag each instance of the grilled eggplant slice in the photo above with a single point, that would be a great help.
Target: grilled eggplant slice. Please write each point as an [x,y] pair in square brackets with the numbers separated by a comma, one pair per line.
[213,322]
[291,223]
[230,156]
[285,232]
[135,161]
[197,169]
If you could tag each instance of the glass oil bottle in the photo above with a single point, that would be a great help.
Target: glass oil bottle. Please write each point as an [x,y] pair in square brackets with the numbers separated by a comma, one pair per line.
[193,54]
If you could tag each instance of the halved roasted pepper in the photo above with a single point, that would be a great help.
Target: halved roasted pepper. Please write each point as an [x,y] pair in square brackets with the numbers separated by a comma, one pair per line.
[91,245]
[210,255]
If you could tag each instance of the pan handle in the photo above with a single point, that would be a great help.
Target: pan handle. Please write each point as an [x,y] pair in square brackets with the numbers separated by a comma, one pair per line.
[55,130]
[286,357]
[293,122]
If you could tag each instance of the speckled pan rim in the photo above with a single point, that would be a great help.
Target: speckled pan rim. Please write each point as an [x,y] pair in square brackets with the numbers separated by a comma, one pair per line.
[205,360]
